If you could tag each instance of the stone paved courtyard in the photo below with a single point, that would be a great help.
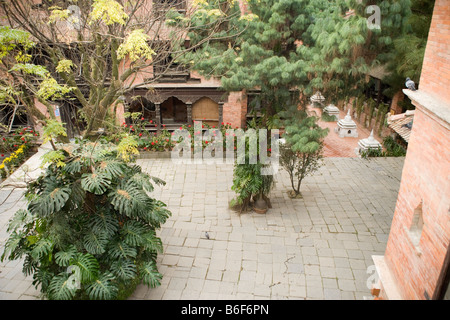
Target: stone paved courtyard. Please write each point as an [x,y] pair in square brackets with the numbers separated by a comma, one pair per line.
[318,247]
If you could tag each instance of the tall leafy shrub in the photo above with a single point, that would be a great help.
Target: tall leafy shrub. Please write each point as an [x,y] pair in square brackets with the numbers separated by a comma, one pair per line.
[301,155]
[249,182]
[89,229]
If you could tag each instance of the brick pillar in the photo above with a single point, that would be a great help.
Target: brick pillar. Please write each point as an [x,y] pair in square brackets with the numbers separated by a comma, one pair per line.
[235,109]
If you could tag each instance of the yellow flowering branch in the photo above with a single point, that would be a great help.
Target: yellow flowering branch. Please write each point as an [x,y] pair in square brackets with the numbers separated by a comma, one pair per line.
[13,159]
[135,46]
[109,11]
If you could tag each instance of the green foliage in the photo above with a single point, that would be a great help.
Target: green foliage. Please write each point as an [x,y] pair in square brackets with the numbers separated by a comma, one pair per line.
[328,118]
[248,181]
[127,148]
[85,51]
[302,153]
[372,152]
[8,95]
[406,54]
[15,60]
[50,89]
[381,116]
[308,45]
[89,229]
[53,129]
[392,149]
[55,156]
[359,105]
[65,66]
[162,140]
[13,39]
[29,68]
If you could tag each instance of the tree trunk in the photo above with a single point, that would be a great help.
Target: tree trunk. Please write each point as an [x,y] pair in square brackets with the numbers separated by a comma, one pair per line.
[302,174]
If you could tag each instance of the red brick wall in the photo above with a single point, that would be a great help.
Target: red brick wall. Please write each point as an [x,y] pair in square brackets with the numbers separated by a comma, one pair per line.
[235,109]
[435,77]
[425,178]
[398,97]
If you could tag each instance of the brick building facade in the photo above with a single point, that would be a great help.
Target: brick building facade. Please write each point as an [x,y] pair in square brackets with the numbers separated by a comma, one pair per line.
[175,97]
[416,261]
[182,96]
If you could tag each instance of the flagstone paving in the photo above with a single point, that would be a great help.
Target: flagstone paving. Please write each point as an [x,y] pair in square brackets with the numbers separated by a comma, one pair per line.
[318,247]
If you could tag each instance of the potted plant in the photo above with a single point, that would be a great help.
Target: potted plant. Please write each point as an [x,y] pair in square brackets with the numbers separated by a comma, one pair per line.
[250,184]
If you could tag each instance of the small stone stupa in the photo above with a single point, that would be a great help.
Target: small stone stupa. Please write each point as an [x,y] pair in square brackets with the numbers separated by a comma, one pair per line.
[368,143]
[332,110]
[346,127]
[317,98]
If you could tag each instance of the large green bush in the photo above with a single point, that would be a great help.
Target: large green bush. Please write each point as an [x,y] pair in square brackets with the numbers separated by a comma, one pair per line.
[89,229]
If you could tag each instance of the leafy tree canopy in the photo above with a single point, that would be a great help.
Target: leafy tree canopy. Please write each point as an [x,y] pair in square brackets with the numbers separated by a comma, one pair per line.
[88,53]
[295,44]
[408,50]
